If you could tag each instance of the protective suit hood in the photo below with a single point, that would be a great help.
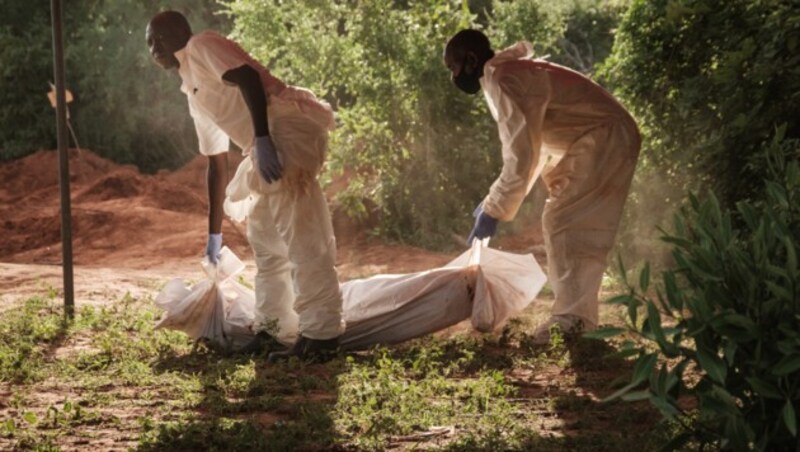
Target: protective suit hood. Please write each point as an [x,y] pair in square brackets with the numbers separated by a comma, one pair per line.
[522,50]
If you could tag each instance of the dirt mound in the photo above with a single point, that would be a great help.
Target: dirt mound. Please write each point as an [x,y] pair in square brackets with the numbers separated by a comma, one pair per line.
[32,232]
[40,170]
[120,217]
[123,218]
[122,183]
[168,196]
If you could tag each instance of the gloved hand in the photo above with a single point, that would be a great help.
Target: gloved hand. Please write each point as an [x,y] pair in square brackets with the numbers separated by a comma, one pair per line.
[485,225]
[267,158]
[213,247]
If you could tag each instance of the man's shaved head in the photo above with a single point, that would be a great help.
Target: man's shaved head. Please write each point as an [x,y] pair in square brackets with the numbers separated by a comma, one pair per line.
[468,41]
[171,20]
[464,55]
[167,32]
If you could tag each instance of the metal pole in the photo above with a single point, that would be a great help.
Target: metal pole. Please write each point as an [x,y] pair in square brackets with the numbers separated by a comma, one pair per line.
[63,158]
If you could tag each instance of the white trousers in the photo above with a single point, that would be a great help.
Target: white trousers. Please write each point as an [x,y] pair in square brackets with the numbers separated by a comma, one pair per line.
[297,288]
[588,188]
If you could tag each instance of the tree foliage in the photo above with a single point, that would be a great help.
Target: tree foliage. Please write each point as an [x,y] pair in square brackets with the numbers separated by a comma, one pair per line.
[418,152]
[125,107]
[417,149]
[709,80]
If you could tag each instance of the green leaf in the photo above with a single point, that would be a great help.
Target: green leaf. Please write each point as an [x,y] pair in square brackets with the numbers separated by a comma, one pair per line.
[11,426]
[660,382]
[777,193]
[644,277]
[654,320]
[623,299]
[621,268]
[633,310]
[748,214]
[636,396]
[620,392]
[30,418]
[667,409]
[787,365]
[791,255]
[741,321]
[712,365]
[644,367]
[780,292]
[789,418]
[673,294]
[604,333]
[764,388]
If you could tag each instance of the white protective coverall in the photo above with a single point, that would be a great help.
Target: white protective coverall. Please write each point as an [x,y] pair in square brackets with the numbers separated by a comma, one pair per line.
[558,123]
[289,226]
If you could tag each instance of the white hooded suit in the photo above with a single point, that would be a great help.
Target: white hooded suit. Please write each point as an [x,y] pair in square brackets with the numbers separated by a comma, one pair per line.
[559,124]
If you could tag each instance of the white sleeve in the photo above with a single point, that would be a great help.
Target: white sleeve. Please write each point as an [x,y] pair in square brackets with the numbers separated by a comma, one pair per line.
[216,55]
[522,103]
[211,139]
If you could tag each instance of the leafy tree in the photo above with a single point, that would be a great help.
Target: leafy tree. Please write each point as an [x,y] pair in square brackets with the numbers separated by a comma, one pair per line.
[125,107]
[26,68]
[418,150]
[709,80]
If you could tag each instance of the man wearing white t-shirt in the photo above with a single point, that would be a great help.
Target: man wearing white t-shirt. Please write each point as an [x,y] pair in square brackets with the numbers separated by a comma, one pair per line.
[282,131]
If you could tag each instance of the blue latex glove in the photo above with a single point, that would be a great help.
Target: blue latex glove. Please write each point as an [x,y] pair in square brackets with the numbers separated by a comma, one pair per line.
[213,247]
[485,225]
[267,158]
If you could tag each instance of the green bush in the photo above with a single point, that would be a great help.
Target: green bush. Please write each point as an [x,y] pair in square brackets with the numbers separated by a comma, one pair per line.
[420,151]
[731,308]
[708,81]
[125,108]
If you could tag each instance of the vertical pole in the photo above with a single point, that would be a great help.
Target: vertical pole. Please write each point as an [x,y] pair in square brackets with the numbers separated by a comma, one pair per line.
[63,158]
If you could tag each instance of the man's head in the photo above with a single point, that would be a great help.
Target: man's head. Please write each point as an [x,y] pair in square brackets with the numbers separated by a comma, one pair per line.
[167,33]
[465,54]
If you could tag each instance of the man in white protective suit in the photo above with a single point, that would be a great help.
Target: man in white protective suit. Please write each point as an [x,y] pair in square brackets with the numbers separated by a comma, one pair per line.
[558,123]
[282,131]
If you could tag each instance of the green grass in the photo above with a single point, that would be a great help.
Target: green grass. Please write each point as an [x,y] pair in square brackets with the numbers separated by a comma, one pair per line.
[110,380]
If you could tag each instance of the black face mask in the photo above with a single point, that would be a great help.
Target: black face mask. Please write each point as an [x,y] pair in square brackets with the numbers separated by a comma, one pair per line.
[469,83]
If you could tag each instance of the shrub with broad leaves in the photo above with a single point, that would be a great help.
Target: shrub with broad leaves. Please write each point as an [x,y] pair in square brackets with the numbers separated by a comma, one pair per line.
[723,325]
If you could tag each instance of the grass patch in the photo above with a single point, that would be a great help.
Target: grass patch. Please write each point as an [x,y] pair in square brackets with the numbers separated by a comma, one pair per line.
[109,380]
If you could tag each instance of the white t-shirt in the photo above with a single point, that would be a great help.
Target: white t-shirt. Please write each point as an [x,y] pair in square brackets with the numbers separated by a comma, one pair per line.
[218,107]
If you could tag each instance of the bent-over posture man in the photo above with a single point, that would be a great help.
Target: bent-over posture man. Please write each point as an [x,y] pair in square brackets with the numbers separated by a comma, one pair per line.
[283,132]
[558,123]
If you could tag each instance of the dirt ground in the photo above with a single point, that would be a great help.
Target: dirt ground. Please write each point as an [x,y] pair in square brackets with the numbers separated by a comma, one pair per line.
[133,232]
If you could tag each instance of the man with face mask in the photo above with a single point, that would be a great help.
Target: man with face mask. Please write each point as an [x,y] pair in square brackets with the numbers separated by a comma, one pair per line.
[559,124]
[282,131]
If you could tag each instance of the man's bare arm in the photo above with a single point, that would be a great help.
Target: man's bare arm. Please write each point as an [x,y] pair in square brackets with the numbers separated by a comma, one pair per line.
[249,82]
[217,181]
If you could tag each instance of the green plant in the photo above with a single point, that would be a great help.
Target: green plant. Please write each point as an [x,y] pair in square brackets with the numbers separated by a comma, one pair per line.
[707,81]
[24,336]
[416,152]
[731,311]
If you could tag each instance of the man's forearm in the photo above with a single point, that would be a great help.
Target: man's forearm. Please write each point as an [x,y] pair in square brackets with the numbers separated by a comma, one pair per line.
[217,181]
